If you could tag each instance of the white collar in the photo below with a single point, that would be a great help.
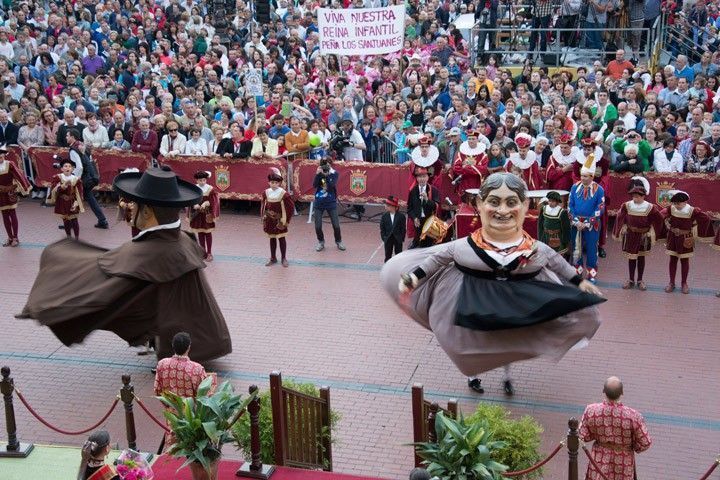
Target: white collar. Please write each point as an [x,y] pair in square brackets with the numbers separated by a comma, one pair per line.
[638,207]
[274,195]
[167,226]
[552,211]
[685,210]
[523,163]
[207,188]
[465,148]
[598,155]
[562,159]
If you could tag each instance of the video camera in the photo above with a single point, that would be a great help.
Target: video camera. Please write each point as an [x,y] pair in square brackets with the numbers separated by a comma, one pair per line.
[325,166]
[339,141]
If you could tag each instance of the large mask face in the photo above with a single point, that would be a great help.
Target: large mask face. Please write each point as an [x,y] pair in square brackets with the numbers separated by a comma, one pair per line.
[502,213]
[141,215]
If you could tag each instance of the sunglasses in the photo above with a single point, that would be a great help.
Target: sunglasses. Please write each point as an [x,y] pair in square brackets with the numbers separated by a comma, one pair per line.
[173,130]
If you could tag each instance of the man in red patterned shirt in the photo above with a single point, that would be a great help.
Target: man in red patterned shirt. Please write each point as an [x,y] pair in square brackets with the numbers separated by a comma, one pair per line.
[179,374]
[619,432]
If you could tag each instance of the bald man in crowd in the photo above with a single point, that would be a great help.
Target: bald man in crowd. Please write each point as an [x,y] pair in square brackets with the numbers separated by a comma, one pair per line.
[619,432]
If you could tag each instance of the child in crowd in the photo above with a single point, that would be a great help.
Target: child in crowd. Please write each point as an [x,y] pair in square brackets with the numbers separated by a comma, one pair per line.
[392,227]
[66,193]
[495,159]
[276,211]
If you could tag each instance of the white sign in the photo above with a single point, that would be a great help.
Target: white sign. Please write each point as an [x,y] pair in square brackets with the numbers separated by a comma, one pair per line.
[253,84]
[362,31]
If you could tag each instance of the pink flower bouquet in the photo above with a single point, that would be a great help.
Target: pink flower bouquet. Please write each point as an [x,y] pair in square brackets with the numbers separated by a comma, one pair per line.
[132,466]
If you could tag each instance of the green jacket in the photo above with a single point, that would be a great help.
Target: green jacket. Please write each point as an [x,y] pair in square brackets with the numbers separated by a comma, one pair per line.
[644,151]
[611,114]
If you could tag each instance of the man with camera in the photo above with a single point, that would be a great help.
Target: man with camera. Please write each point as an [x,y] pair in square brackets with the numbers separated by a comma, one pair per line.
[325,183]
[347,142]
[349,145]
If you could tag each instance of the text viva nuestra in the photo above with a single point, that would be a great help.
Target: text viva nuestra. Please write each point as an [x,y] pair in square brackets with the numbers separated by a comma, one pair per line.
[363,30]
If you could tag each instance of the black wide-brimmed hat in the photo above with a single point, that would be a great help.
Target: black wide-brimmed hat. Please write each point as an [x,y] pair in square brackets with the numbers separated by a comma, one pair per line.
[554,196]
[158,187]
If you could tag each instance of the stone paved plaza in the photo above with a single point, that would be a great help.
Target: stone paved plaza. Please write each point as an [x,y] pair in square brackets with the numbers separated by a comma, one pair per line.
[324,319]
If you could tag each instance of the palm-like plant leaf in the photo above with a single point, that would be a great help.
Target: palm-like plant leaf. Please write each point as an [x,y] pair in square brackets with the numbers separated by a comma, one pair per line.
[200,425]
[463,451]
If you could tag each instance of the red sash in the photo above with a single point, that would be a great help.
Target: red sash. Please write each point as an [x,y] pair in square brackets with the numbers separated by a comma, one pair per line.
[106,472]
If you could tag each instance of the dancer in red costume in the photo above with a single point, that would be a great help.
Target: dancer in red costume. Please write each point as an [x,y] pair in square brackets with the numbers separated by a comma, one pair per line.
[202,216]
[12,182]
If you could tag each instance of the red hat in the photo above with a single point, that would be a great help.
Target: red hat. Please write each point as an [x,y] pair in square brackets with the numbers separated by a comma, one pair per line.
[274,174]
[565,139]
[420,171]
[523,140]
[392,201]
[424,140]
[472,133]
[587,141]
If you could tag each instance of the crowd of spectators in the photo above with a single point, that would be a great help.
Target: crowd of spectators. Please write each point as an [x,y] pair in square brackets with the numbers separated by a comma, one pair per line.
[157,77]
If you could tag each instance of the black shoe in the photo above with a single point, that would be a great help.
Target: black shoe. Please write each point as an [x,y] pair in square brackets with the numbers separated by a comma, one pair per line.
[474,384]
[508,387]
[601,253]
[103,225]
[61,227]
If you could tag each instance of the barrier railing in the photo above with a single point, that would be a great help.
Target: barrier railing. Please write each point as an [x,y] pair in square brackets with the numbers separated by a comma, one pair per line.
[426,416]
[253,469]
[518,43]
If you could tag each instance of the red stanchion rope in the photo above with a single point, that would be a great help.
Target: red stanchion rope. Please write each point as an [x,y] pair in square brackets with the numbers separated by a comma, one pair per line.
[595,465]
[711,469]
[152,417]
[59,430]
[537,465]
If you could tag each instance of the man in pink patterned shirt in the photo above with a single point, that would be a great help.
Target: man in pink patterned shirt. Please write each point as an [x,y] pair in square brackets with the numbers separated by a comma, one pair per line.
[179,374]
[619,432]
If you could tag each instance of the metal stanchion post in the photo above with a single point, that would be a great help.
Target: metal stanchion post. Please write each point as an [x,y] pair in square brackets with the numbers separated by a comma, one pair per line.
[13,448]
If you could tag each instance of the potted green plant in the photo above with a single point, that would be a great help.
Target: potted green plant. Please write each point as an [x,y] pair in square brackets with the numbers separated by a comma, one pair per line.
[521,437]
[464,451]
[201,425]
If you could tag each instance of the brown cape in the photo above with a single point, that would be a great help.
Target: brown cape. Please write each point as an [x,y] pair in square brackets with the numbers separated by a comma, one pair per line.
[148,287]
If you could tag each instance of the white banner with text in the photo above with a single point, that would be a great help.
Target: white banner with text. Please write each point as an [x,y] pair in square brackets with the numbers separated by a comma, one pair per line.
[364,31]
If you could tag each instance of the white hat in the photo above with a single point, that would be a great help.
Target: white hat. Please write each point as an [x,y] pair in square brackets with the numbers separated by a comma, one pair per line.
[644,181]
